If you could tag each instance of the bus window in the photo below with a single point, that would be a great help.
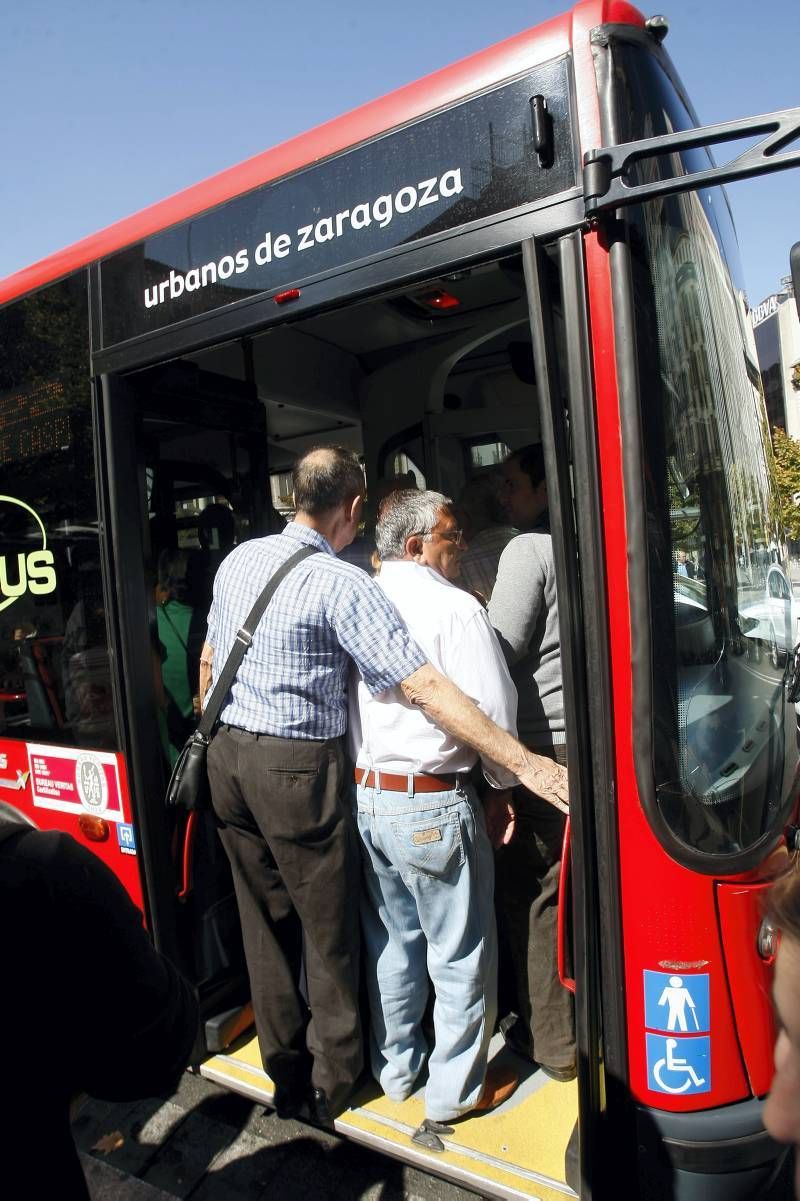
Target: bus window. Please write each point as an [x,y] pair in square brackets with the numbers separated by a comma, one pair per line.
[55,682]
[718,718]
[401,465]
[487,454]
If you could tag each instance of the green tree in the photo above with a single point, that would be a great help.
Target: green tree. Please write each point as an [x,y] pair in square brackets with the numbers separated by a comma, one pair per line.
[787,474]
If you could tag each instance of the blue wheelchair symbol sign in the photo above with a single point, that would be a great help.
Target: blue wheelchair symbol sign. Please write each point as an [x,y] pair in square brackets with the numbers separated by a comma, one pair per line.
[676,1002]
[678,1065]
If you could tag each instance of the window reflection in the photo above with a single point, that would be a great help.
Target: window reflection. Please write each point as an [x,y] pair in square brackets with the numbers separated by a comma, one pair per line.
[723,620]
[54,666]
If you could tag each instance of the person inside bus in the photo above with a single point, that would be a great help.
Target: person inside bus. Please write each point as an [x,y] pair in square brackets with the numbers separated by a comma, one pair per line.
[362,551]
[523,609]
[279,781]
[685,565]
[216,533]
[487,533]
[76,961]
[180,640]
[427,900]
[782,1106]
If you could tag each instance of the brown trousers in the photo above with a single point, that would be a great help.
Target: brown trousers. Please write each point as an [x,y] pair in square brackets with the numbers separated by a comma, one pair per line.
[287,827]
[526,899]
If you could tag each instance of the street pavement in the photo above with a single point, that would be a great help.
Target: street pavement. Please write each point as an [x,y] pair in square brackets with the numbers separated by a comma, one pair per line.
[208,1144]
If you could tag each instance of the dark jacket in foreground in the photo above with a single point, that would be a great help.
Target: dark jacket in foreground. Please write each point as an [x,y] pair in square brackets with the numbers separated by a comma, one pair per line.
[86,1004]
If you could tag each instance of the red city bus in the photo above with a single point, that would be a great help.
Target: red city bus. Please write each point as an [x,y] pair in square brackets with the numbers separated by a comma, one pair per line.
[524,247]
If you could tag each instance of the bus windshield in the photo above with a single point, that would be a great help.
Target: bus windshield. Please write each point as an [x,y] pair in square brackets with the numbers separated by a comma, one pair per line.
[722,616]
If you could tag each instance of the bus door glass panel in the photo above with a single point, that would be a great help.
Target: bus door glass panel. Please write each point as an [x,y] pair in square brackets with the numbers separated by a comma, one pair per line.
[720,599]
[203,469]
[203,461]
[55,683]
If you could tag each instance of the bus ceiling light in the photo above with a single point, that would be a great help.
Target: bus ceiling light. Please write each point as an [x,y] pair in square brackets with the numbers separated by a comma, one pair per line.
[768,938]
[658,27]
[287,295]
[93,828]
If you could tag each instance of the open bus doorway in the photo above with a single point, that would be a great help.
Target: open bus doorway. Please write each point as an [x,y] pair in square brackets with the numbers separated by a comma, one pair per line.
[433,386]
[194,460]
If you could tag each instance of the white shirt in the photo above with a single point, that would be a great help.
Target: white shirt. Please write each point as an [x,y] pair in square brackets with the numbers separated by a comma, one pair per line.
[390,734]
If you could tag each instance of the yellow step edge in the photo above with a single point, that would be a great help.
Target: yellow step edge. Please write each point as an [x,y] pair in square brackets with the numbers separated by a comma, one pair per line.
[496,1154]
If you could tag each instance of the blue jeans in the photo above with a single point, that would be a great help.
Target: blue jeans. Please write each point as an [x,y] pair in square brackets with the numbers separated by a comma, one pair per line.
[427,910]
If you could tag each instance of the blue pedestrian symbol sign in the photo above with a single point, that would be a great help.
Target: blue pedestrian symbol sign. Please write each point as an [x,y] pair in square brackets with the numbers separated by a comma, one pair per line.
[676,1003]
[678,1065]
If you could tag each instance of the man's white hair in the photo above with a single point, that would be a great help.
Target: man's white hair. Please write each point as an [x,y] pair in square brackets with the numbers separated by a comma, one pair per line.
[405,513]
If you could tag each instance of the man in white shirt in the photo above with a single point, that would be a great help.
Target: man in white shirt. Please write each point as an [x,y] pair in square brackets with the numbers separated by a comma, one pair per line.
[427,904]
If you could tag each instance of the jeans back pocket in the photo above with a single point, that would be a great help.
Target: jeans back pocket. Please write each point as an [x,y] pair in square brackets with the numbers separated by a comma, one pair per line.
[432,845]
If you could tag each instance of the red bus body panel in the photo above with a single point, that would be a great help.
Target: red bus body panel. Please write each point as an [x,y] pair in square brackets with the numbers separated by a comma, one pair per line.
[41,781]
[741,909]
[670,922]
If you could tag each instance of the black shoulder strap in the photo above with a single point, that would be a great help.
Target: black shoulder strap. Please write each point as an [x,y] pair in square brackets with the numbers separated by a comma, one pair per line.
[244,638]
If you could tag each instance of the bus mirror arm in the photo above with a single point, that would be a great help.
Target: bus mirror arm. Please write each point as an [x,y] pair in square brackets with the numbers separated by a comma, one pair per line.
[609,174]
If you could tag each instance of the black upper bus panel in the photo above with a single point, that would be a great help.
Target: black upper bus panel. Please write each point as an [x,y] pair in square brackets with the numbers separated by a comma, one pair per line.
[466,163]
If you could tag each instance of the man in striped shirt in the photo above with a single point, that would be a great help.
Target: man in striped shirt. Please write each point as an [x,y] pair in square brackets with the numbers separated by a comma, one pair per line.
[280,782]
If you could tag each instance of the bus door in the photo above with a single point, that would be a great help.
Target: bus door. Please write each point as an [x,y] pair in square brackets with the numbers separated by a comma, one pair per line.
[435,396]
[186,481]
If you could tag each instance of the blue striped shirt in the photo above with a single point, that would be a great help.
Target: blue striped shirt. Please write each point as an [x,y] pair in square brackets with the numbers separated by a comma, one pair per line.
[326,613]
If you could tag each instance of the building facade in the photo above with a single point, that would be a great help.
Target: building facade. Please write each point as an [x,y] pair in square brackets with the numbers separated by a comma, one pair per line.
[776,328]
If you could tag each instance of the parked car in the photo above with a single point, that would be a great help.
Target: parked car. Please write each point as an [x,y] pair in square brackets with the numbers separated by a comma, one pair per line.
[772,620]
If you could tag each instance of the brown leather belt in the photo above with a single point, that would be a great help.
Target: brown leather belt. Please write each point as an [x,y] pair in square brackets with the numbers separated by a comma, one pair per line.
[409,784]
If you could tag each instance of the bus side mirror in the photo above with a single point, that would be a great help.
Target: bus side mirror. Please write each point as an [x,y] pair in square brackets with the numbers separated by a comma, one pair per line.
[794,266]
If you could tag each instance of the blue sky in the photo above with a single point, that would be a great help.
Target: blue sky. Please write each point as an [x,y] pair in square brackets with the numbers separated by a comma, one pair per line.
[105,108]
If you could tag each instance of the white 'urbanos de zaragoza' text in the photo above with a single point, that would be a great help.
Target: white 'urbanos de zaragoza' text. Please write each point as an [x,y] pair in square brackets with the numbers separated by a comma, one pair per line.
[380,211]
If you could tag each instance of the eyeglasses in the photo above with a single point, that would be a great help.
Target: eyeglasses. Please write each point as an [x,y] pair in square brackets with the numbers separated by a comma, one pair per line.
[454,536]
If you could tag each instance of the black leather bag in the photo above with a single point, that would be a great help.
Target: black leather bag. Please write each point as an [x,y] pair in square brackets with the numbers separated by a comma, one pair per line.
[188,786]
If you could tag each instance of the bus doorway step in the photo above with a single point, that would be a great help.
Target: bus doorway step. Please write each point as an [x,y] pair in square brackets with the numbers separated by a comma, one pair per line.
[222,1029]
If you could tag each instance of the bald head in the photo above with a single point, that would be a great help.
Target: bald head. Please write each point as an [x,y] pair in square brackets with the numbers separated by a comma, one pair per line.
[325,478]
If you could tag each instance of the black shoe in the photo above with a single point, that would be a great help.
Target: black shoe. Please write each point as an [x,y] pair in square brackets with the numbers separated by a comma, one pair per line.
[288,1103]
[560,1074]
[318,1110]
[516,1038]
